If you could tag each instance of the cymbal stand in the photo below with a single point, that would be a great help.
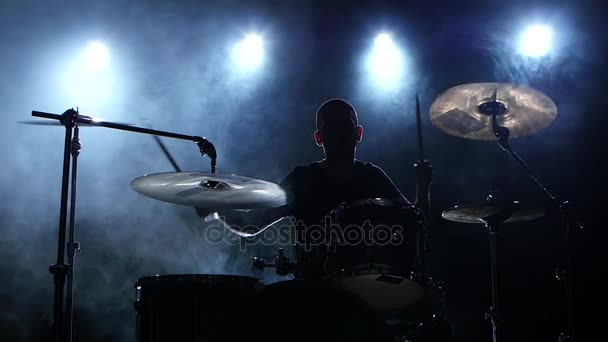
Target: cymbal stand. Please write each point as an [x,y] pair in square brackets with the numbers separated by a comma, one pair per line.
[493,108]
[205,147]
[423,199]
[62,320]
[59,270]
[493,225]
[73,246]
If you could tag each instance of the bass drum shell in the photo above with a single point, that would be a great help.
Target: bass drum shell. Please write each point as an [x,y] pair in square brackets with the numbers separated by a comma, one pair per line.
[191,307]
[380,264]
[312,310]
[425,319]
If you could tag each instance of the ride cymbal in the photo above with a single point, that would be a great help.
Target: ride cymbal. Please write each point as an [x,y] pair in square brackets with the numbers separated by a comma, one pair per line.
[479,214]
[459,111]
[211,190]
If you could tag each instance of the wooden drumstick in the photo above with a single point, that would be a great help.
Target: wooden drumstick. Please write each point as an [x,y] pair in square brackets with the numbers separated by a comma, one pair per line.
[419,129]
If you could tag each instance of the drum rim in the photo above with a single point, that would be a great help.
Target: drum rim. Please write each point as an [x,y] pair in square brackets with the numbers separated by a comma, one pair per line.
[373,201]
[195,278]
[381,201]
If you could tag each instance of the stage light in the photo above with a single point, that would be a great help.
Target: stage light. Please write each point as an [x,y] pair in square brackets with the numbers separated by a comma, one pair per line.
[96,56]
[88,79]
[385,62]
[536,41]
[248,54]
[383,41]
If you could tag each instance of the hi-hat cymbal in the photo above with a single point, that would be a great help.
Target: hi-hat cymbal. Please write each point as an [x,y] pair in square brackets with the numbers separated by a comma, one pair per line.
[480,214]
[211,190]
[525,110]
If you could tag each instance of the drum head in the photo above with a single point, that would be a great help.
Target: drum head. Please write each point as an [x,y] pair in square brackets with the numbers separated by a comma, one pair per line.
[383,292]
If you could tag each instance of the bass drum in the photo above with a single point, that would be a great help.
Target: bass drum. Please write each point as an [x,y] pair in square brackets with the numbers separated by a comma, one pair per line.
[312,310]
[191,307]
[374,252]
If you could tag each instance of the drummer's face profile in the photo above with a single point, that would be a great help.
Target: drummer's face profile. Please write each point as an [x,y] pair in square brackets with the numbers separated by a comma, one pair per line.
[338,133]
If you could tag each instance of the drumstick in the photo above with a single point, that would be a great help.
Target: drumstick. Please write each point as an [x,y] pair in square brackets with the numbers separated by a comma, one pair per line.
[423,240]
[166,151]
[246,234]
[419,129]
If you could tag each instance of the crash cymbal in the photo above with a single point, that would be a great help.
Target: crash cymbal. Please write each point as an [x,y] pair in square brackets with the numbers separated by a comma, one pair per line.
[524,110]
[211,190]
[479,214]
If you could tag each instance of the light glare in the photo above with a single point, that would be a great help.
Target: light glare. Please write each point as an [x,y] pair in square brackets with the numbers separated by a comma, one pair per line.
[536,41]
[385,62]
[383,41]
[249,53]
[96,56]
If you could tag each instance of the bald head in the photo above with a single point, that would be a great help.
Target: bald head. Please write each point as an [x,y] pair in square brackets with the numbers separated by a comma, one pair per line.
[338,129]
[335,108]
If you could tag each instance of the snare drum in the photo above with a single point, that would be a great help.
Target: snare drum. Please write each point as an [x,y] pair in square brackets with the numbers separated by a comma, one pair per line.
[191,307]
[373,252]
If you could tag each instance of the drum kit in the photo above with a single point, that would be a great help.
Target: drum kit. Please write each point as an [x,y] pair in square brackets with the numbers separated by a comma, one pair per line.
[377,288]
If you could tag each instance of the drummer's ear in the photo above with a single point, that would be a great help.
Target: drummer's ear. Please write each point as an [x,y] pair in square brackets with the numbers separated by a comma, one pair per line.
[318,138]
[359,133]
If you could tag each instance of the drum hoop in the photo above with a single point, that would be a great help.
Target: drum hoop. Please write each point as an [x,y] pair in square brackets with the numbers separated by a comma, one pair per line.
[405,211]
[362,269]
[377,202]
[195,279]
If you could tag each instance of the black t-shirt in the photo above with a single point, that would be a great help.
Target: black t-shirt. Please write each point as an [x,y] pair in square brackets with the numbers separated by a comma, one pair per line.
[316,195]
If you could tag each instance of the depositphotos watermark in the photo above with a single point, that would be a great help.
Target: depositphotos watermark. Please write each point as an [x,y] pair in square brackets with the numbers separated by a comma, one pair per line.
[297,233]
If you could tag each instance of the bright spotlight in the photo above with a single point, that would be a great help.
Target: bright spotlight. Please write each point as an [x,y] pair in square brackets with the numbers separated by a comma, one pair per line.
[96,56]
[248,54]
[536,41]
[383,41]
[385,62]
[87,79]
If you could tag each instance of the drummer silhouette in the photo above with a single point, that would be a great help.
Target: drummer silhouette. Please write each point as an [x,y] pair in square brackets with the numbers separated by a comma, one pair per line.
[321,185]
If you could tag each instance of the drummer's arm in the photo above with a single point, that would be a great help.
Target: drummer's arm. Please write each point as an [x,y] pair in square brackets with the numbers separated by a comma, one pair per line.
[229,217]
[423,185]
[241,219]
[270,215]
[389,190]
[402,200]
[423,196]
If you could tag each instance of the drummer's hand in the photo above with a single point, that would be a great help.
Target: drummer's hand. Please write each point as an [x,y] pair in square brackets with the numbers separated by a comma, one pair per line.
[424,172]
[204,212]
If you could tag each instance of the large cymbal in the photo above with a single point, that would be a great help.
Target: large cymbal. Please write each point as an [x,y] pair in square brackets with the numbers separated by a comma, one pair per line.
[479,214]
[211,190]
[456,111]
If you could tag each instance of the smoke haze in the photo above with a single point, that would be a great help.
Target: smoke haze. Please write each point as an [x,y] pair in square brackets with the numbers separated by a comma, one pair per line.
[169,67]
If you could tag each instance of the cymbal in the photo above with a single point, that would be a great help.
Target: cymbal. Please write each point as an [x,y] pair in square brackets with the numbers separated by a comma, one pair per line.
[211,190]
[471,213]
[80,124]
[526,110]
